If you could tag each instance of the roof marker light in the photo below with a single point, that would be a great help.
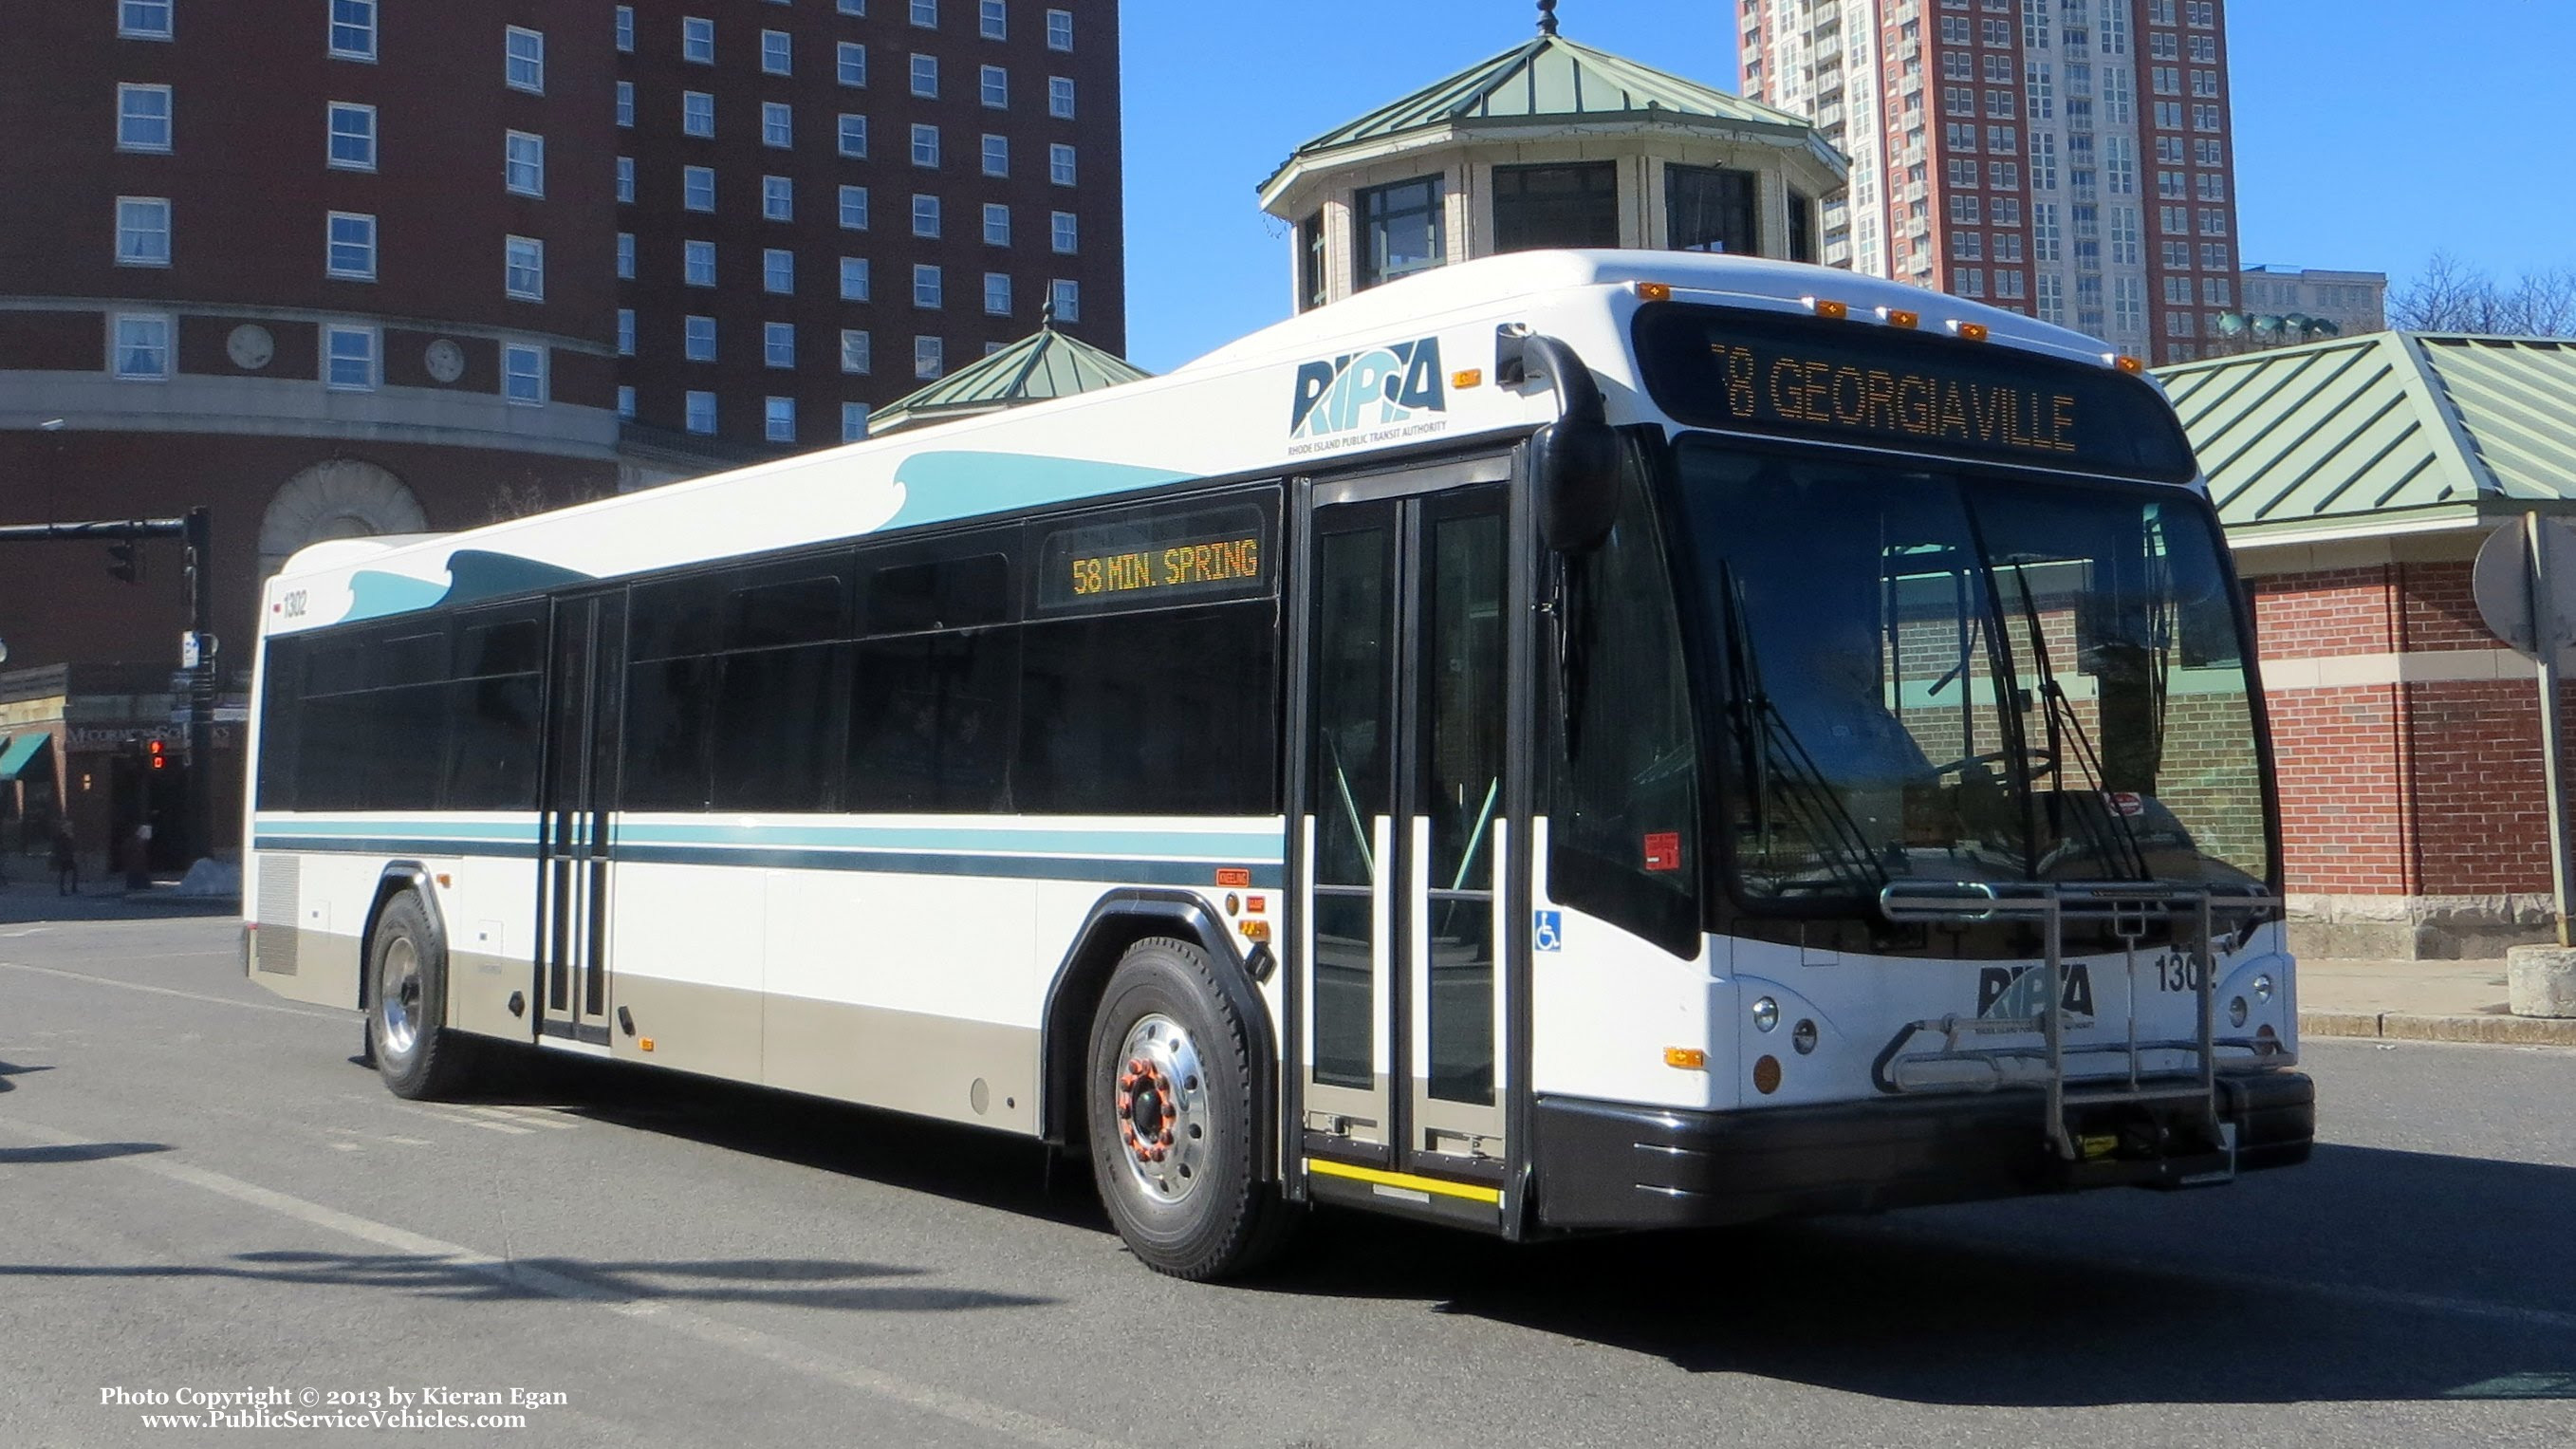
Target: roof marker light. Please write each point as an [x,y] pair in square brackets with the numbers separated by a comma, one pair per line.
[2130,364]
[1830,310]
[1973,331]
[1899,317]
[1655,291]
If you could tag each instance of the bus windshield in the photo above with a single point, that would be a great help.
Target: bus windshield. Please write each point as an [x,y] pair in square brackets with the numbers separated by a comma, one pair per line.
[1941,674]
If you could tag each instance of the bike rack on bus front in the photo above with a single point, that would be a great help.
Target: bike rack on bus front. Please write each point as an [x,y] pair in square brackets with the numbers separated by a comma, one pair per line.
[2128,908]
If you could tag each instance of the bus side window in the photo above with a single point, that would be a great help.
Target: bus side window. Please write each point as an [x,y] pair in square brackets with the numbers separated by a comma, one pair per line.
[670,689]
[1171,712]
[494,702]
[934,707]
[280,724]
[1623,838]
[781,700]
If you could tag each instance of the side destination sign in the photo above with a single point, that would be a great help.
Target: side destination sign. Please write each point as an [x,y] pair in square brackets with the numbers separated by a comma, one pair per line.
[1857,382]
[1142,557]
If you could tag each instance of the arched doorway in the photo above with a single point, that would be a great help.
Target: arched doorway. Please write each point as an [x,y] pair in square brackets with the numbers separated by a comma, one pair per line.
[341,498]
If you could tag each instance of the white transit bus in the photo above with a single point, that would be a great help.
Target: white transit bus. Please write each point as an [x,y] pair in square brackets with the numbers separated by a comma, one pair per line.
[1570,741]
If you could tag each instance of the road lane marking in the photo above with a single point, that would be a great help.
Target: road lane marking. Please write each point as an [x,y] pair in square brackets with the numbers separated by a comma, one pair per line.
[752,1342]
[529,1116]
[84,976]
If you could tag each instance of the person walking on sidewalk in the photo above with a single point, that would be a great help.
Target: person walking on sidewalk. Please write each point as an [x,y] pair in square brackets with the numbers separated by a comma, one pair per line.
[65,861]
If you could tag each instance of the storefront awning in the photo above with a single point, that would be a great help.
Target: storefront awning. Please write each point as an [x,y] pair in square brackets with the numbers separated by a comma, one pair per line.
[18,750]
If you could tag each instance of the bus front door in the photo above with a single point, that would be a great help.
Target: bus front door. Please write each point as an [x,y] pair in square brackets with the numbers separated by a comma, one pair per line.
[583,705]
[1408,796]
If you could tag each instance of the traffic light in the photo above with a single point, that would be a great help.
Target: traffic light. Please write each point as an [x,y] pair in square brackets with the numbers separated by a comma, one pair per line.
[125,561]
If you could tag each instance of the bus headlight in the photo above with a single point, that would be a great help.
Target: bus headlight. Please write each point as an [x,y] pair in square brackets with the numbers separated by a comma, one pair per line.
[2263,988]
[1803,1036]
[1766,1014]
[2236,1011]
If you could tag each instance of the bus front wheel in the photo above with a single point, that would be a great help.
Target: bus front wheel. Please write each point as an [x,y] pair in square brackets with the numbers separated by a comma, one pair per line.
[407,1006]
[1170,1091]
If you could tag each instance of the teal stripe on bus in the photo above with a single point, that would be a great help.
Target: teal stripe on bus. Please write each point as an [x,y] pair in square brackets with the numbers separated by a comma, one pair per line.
[1228,847]
[1125,870]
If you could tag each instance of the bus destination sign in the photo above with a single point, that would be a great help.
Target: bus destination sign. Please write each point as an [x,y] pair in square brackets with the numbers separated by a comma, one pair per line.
[1199,561]
[1877,386]
[1147,558]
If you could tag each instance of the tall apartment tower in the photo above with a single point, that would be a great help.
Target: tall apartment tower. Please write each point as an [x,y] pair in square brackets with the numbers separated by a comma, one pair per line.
[2067,158]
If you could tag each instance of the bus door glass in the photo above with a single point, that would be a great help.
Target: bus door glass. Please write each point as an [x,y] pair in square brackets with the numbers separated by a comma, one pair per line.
[1404,828]
[582,710]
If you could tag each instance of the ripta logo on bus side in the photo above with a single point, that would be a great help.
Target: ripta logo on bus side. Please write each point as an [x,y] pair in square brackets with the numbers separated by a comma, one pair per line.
[2018,990]
[1381,387]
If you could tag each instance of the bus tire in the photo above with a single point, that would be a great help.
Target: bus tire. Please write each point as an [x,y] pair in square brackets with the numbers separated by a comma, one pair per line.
[1170,1103]
[407,1006]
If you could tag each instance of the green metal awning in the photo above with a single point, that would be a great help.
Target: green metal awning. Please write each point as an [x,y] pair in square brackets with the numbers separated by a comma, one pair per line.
[18,750]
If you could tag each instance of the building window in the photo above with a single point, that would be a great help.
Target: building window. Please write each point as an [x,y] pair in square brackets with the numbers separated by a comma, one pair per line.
[1711,209]
[925,76]
[854,208]
[854,419]
[353,29]
[778,345]
[626,332]
[854,350]
[698,339]
[1060,97]
[925,146]
[925,215]
[777,198]
[992,20]
[351,248]
[997,294]
[1802,228]
[698,188]
[997,224]
[626,256]
[697,40]
[698,263]
[997,155]
[1059,30]
[626,401]
[777,53]
[1312,283]
[928,357]
[925,13]
[142,118]
[1403,229]
[143,19]
[1060,164]
[697,113]
[850,61]
[854,279]
[1064,300]
[626,104]
[996,88]
[523,163]
[779,419]
[524,268]
[523,374]
[142,350]
[854,136]
[523,62]
[625,30]
[702,412]
[778,271]
[926,286]
[1573,205]
[1064,233]
[349,359]
[777,125]
[352,137]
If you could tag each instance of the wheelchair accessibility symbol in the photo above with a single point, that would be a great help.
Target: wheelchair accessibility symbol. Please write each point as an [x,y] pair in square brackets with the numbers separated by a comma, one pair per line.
[1551,930]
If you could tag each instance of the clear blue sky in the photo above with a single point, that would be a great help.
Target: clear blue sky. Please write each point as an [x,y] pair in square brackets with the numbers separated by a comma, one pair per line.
[2369,133]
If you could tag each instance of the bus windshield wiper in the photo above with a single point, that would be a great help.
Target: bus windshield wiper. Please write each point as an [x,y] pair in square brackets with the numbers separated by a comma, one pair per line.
[2118,841]
[1779,759]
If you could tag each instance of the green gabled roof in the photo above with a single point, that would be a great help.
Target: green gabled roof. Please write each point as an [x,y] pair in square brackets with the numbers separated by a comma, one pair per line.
[2392,426]
[1045,364]
[1551,78]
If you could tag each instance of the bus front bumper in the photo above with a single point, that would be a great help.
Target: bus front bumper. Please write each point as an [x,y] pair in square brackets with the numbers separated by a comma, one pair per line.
[1620,1165]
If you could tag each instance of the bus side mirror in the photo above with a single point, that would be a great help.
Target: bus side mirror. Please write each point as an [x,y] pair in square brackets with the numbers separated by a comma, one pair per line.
[1574,460]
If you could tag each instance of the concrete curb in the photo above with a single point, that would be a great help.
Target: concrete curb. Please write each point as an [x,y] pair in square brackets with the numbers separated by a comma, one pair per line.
[2394,1025]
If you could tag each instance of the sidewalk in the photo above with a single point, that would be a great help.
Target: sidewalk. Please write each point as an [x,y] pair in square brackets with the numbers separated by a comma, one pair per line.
[2418,1001]
[30,897]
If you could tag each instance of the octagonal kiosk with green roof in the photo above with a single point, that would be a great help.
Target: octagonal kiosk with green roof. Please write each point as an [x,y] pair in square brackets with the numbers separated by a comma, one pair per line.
[1549,144]
[1045,364]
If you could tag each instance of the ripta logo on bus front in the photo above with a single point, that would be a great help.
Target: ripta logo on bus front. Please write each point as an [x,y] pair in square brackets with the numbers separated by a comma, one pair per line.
[2019,990]
[1383,387]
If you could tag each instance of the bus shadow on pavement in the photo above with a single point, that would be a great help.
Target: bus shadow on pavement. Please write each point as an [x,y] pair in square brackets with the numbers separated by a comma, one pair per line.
[2368,1275]
[77,1152]
[848,1287]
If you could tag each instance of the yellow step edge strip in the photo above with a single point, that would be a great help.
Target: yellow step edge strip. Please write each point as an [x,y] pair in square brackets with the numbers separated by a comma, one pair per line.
[1473,1192]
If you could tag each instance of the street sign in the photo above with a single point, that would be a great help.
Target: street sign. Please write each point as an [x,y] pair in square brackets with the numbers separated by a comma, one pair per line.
[2501,583]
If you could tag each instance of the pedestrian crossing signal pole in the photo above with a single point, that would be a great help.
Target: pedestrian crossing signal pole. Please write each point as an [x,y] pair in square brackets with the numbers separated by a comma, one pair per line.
[203,682]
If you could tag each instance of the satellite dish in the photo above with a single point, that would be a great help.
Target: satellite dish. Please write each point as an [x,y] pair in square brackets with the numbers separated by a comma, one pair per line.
[2230,323]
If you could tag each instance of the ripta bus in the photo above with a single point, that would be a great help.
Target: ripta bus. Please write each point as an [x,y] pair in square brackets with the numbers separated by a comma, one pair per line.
[1571,741]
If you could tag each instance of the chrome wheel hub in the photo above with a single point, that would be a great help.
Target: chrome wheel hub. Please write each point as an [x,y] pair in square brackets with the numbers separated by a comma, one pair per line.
[1161,1107]
[398,996]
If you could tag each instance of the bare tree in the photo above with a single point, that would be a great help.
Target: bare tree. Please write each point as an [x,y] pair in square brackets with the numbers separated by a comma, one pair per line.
[531,492]
[2452,296]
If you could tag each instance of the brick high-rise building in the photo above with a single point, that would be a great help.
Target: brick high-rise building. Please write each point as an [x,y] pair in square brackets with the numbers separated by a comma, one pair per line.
[2067,158]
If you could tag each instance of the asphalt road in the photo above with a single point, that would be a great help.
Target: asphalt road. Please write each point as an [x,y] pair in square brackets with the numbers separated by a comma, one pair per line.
[199,1190]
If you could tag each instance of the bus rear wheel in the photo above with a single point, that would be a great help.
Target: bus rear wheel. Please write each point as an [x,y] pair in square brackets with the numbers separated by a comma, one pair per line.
[407,1006]
[1170,1103]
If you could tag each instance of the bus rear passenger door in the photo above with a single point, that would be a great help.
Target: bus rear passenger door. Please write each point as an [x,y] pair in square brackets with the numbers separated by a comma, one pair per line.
[583,702]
